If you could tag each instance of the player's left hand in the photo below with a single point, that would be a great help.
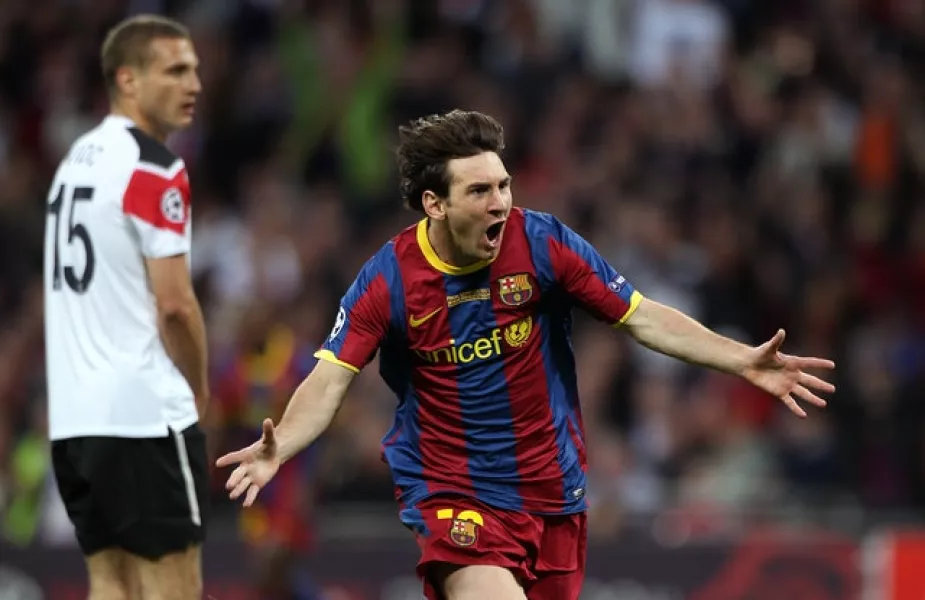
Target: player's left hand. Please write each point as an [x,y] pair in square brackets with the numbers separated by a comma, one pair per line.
[783,375]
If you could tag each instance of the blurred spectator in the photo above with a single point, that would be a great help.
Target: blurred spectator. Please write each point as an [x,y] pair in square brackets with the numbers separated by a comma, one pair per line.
[251,382]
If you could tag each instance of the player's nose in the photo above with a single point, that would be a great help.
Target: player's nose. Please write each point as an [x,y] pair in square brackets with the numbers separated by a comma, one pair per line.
[498,206]
[194,86]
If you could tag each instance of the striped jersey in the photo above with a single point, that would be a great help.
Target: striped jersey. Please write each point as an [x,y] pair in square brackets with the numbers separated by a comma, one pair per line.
[480,359]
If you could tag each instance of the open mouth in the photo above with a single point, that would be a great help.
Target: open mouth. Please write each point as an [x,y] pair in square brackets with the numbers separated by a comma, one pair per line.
[494,232]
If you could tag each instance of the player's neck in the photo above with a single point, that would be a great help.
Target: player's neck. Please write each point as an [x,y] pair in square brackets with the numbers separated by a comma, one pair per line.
[441,240]
[137,117]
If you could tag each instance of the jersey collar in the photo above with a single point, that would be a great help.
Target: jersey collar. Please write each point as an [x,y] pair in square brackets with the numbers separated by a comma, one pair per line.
[120,120]
[431,255]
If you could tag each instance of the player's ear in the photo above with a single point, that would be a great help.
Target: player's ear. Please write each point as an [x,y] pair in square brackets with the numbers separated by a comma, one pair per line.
[126,80]
[433,205]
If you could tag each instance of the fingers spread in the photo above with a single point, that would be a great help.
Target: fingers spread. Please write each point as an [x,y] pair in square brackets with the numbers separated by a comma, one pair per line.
[233,457]
[251,495]
[807,395]
[240,488]
[811,362]
[778,340]
[793,406]
[269,433]
[816,383]
[236,476]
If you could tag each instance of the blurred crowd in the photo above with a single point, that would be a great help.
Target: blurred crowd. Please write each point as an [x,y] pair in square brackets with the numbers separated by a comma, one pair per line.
[758,165]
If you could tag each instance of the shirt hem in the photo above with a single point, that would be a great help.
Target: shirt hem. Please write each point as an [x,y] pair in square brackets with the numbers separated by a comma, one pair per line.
[141,431]
[577,508]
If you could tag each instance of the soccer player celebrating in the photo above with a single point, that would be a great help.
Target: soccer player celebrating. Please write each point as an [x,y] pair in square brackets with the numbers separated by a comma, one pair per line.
[470,311]
[125,340]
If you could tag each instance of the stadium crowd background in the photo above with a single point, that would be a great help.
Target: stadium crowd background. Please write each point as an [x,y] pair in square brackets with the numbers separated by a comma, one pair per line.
[755,164]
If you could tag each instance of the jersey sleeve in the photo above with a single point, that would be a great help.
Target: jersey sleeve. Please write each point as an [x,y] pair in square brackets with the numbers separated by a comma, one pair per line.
[157,200]
[587,278]
[362,320]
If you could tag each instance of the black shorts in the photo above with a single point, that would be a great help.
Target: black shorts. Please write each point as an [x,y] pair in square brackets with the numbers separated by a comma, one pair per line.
[148,496]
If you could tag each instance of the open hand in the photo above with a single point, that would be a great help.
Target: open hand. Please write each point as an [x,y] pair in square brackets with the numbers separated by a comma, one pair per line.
[258,463]
[783,375]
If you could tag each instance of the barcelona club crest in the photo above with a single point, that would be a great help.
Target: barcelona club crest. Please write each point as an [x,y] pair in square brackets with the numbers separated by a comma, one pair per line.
[515,289]
[463,532]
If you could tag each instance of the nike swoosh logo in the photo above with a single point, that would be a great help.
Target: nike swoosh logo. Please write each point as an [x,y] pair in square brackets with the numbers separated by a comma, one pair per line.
[417,322]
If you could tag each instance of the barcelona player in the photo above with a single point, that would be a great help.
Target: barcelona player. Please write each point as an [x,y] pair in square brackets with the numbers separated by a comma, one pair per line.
[470,312]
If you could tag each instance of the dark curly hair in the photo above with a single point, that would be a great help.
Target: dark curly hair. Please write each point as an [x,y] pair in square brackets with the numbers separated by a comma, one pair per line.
[427,144]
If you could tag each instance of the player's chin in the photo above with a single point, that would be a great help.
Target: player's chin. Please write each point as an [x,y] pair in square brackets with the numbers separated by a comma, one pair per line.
[183,121]
[177,123]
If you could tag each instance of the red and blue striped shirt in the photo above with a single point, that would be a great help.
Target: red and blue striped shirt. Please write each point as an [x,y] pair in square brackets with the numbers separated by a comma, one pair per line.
[480,358]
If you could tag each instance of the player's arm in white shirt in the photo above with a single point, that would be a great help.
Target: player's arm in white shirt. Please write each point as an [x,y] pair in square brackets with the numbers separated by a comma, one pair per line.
[157,200]
[180,322]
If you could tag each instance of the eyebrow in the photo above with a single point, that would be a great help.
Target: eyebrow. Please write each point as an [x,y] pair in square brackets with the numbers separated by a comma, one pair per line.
[182,64]
[482,184]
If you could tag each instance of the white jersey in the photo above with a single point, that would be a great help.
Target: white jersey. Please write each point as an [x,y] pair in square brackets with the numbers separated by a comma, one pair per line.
[118,197]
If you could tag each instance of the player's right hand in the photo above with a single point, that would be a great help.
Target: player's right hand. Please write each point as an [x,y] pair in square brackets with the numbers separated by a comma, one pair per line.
[257,464]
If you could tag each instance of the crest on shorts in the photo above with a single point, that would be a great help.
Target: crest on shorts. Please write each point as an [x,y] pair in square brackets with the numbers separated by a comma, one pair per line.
[515,289]
[517,333]
[464,532]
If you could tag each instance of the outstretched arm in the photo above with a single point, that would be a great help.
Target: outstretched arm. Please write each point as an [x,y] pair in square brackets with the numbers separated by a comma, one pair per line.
[361,324]
[668,331]
[598,288]
[312,408]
